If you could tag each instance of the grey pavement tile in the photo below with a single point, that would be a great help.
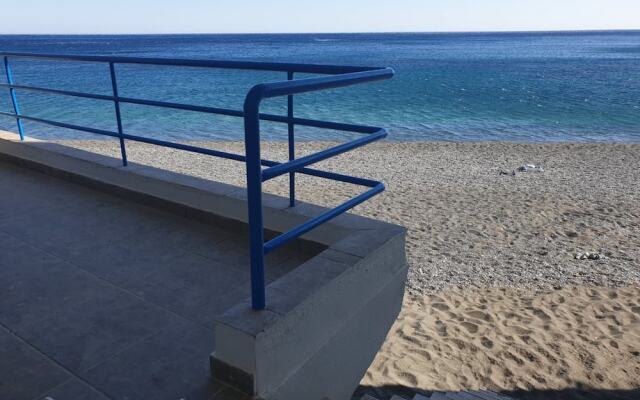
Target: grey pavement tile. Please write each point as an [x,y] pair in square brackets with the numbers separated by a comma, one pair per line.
[73,389]
[126,266]
[235,253]
[35,286]
[183,234]
[24,372]
[14,251]
[196,287]
[60,230]
[48,230]
[172,365]
[85,334]
[201,306]
[29,191]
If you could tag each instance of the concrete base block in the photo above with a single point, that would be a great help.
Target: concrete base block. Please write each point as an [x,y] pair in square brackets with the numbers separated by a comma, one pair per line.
[324,325]
[337,368]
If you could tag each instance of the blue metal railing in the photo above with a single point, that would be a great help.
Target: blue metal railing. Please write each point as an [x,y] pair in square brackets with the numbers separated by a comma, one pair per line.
[336,77]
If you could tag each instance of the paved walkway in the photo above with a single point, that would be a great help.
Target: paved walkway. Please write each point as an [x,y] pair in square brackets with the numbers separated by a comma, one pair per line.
[101,298]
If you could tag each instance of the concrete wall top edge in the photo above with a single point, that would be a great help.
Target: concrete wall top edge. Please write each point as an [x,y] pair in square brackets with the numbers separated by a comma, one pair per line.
[302,211]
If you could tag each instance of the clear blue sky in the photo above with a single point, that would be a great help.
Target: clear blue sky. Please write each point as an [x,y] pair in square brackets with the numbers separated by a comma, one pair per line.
[237,16]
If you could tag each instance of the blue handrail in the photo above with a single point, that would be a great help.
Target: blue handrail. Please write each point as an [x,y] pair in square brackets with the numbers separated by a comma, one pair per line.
[337,76]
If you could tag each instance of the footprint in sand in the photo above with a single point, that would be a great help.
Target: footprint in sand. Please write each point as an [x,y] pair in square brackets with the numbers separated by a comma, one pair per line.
[409,377]
[440,306]
[486,342]
[539,379]
[470,327]
[480,315]
[521,331]
[441,328]
[541,314]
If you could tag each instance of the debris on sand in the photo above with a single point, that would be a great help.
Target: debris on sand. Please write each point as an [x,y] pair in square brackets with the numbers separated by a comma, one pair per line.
[522,168]
[530,168]
[588,256]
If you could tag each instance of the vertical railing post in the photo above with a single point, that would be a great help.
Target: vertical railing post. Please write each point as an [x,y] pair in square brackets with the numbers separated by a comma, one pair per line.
[14,98]
[116,102]
[292,152]
[254,197]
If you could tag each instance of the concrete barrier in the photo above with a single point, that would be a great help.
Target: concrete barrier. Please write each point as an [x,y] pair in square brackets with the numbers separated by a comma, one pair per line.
[324,321]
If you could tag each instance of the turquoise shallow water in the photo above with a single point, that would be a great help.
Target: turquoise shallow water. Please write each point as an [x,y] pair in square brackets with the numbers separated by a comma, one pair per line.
[485,86]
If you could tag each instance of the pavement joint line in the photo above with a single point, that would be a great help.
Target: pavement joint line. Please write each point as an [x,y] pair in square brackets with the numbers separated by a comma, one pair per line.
[157,306]
[54,361]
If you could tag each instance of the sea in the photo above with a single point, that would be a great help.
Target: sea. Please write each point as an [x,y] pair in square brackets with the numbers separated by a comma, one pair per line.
[526,86]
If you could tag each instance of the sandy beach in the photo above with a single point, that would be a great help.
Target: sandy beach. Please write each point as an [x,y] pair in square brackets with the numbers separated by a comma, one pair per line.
[497,297]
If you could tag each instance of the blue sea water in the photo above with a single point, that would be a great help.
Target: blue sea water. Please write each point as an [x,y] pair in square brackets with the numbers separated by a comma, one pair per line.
[553,86]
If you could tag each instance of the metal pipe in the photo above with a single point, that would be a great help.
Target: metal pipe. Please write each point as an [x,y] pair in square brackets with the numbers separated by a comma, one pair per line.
[223,64]
[321,219]
[276,89]
[292,151]
[116,104]
[61,92]
[14,98]
[294,165]
[254,200]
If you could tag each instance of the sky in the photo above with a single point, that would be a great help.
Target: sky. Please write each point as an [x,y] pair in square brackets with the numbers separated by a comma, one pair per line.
[288,16]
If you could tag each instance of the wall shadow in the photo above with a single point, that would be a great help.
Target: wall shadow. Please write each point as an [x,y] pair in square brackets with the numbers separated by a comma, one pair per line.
[580,392]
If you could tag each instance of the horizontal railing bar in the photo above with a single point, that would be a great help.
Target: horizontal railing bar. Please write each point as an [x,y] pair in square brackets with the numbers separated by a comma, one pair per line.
[337,177]
[58,91]
[339,126]
[185,107]
[327,175]
[177,62]
[321,219]
[62,124]
[194,149]
[136,138]
[296,164]
[186,147]
[284,88]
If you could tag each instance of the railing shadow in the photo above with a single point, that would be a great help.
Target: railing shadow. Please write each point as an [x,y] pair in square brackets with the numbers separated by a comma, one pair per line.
[580,392]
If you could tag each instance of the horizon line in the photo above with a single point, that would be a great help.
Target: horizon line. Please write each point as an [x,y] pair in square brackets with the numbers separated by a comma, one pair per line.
[329,33]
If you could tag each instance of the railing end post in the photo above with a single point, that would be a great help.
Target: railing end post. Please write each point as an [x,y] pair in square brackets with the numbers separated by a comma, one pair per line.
[14,98]
[291,139]
[254,195]
[20,130]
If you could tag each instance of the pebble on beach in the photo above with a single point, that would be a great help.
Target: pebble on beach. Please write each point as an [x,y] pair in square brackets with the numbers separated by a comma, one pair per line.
[588,256]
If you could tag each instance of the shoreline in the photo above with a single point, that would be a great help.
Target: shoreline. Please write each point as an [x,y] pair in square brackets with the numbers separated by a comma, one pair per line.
[387,140]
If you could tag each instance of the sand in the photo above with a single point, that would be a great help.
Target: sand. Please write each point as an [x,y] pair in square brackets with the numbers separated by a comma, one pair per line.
[510,339]
[496,299]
